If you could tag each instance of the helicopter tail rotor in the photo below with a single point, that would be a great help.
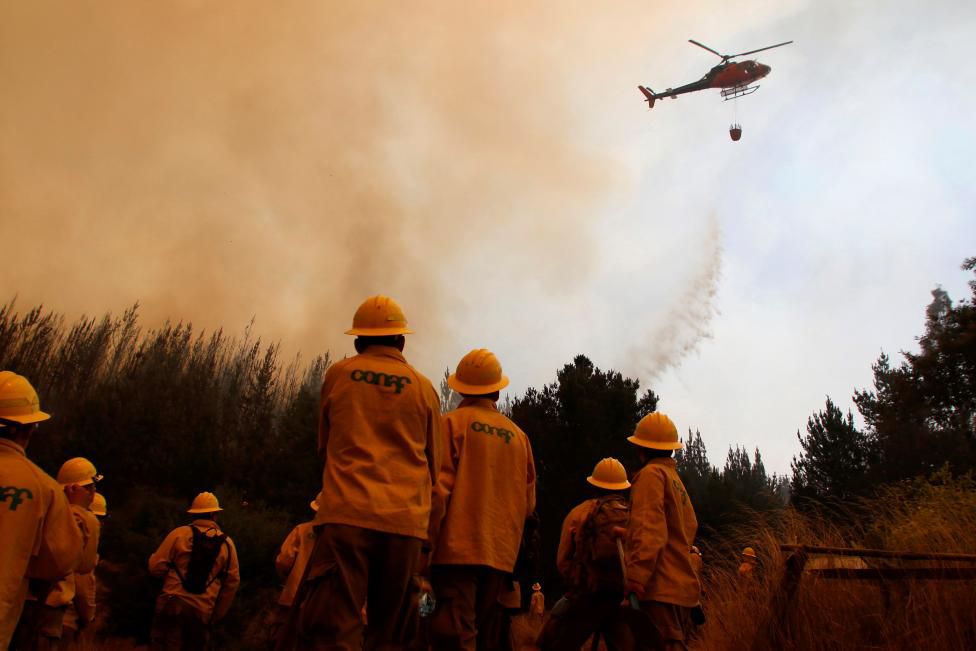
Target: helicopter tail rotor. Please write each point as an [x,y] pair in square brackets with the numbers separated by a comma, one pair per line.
[649,96]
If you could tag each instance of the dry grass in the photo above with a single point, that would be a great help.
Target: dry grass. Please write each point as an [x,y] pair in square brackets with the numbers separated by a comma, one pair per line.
[837,614]
[831,614]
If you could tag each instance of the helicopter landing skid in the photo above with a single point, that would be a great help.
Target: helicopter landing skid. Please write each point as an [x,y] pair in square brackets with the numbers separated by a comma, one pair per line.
[738,91]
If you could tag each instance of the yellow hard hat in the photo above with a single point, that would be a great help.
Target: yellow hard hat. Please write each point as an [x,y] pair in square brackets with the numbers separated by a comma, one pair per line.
[656,431]
[379,316]
[478,373]
[18,400]
[749,552]
[609,474]
[78,471]
[205,502]
[695,550]
[315,503]
[98,505]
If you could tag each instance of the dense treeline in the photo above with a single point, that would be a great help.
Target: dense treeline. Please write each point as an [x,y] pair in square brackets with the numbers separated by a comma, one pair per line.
[725,497]
[170,408]
[919,416]
[167,412]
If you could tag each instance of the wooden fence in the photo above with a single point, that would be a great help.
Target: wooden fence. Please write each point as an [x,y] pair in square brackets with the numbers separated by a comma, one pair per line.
[869,565]
[943,571]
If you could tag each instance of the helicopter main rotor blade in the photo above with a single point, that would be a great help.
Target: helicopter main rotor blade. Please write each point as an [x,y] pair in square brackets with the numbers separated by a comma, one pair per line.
[705,47]
[768,47]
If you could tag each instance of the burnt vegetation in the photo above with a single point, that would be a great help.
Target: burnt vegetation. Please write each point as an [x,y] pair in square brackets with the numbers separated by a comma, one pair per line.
[169,411]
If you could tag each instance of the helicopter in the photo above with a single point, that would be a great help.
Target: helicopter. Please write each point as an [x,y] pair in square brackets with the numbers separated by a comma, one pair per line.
[733,77]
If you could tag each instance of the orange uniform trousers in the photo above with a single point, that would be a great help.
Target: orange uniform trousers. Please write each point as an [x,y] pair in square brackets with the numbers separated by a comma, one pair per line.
[577,617]
[178,626]
[466,597]
[349,567]
[40,628]
[672,623]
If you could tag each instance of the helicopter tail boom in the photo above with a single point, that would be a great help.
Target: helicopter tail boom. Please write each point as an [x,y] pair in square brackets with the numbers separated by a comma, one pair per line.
[648,95]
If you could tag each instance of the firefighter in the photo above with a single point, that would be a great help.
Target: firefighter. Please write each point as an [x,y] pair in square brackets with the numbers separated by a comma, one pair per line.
[660,534]
[380,440]
[99,506]
[485,493]
[80,614]
[41,540]
[44,626]
[200,571]
[747,568]
[590,565]
[290,563]
[537,603]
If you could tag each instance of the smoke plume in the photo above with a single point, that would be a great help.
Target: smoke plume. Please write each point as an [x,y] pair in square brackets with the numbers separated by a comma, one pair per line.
[686,321]
[222,160]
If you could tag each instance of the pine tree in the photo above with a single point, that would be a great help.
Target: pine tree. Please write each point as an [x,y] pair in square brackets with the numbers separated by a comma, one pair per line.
[724,498]
[450,398]
[922,413]
[692,460]
[835,457]
[737,473]
[585,415]
[697,473]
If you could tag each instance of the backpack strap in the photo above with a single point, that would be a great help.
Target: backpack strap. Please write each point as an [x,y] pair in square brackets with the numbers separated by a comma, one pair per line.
[173,566]
[222,573]
[583,544]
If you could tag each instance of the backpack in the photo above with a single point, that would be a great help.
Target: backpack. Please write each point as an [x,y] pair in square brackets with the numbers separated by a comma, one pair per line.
[203,555]
[597,551]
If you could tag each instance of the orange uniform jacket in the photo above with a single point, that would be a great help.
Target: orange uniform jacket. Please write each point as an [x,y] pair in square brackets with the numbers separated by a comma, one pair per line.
[175,549]
[566,561]
[40,538]
[82,608]
[292,559]
[379,433]
[660,534]
[485,491]
[697,564]
[63,592]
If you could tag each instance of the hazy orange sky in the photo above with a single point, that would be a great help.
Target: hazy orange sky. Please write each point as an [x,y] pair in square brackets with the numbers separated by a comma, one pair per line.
[492,166]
